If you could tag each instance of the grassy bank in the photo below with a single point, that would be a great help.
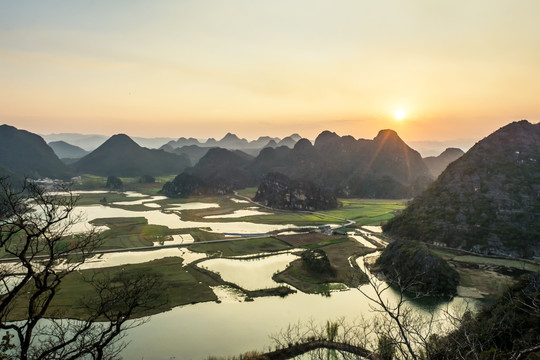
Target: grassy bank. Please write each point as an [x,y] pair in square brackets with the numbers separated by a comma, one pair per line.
[136,232]
[299,275]
[242,247]
[181,287]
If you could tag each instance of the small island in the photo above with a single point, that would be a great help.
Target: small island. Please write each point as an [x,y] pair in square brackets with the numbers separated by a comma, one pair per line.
[414,268]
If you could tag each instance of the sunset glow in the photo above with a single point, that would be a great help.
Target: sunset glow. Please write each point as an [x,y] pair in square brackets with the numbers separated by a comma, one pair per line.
[400,114]
[203,69]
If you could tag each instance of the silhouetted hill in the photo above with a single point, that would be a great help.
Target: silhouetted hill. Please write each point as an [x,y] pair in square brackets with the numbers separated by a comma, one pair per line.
[488,200]
[28,155]
[193,152]
[67,151]
[84,141]
[280,192]
[437,164]
[151,143]
[91,142]
[181,142]
[219,171]
[232,142]
[262,141]
[272,143]
[384,167]
[121,156]
[295,137]
[288,142]
[222,163]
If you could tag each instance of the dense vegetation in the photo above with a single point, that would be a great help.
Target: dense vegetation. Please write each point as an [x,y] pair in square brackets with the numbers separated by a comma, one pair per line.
[508,329]
[280,192]
[487,201]
[317,261]
[412,266]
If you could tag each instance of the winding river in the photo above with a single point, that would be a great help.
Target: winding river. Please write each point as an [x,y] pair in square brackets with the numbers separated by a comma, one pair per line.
[232,326]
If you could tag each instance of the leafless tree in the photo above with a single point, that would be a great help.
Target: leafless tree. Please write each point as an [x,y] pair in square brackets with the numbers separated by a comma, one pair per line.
[37,252]
[400,324]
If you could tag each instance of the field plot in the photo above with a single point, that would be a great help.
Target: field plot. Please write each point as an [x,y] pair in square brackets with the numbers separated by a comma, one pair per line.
[367,211]
[242,247]
[182,287]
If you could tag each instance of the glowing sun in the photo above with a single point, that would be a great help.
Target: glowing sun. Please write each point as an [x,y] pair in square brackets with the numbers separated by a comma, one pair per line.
[400,114]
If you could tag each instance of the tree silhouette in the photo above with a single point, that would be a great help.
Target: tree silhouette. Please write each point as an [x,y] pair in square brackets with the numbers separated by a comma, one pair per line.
[37,252]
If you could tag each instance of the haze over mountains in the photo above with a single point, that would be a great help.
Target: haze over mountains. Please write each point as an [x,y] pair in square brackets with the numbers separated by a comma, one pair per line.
[121,156]
[485,200]
[382,167]
[437,164]
[232,142]
[488,200]
[67,151]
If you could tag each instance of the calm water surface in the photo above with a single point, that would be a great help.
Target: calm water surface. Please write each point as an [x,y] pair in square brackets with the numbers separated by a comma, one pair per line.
[233,326]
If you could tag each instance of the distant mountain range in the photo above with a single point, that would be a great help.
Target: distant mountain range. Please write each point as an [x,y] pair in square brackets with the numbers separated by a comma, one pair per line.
[121,156]
[229,141]
[384,167]
[84,141]
[67,151]
[233,142]
[487,201]
[437,164]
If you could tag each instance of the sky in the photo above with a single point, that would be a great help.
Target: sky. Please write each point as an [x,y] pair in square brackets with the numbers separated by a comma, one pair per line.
[450,69]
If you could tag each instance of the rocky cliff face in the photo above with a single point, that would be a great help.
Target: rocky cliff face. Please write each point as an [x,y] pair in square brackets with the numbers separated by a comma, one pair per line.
[486,201]
[280,192]
[186,185]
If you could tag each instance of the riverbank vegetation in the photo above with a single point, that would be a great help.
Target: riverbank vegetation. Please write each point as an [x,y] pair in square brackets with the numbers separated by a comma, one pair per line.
[181,287]
[413,267]
[187,283]
[331,266]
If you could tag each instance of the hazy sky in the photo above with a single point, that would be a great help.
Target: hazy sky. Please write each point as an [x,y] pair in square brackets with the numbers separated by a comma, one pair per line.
[459,69]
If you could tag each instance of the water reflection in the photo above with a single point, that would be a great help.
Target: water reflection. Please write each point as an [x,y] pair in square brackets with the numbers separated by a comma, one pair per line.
[250,274]
[232,327]
[238,214]
[169,219]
